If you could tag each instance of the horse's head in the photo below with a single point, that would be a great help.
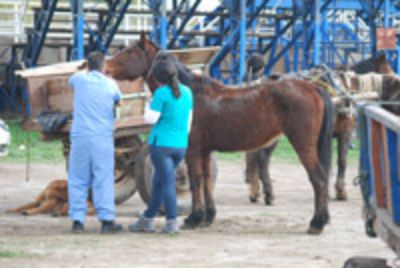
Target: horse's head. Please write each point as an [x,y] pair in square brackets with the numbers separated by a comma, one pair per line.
[134,61]
[383,65]
[378,64]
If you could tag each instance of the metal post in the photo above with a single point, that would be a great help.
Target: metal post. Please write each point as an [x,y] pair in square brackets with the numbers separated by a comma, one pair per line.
[305,25]
[317,33]
[163,26]
[372,27]
[386,14]
[397,67]
[242,41]
[78,24]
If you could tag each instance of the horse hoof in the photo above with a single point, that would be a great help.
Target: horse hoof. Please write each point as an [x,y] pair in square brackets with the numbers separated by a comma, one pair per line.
[314,231]
[205,224]
[187,226]
[269,201]
[341,196]
[253,199]
[194,219]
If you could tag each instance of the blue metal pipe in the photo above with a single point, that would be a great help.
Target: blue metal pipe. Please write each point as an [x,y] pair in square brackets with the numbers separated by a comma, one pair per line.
[184,22]
[386,14]
[232,40]
[163,25]
[242,42]
[78,27]
[290,44]
[317,33]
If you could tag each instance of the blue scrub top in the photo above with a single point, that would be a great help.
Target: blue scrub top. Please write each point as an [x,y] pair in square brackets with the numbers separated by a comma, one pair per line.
[172,128]
[93,109]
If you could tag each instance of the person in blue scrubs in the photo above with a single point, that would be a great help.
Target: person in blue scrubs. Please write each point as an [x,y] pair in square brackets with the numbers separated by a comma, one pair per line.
[91,159]
[171,112]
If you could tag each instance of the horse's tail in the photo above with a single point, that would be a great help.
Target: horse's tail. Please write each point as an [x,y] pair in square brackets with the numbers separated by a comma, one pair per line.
[326,132]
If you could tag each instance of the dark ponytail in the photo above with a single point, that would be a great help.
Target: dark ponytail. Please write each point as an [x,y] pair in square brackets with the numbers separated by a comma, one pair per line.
[165,72]
[174,85]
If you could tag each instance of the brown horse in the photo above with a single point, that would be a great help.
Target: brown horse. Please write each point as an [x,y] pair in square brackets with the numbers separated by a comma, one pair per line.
[243,119]
[257,166]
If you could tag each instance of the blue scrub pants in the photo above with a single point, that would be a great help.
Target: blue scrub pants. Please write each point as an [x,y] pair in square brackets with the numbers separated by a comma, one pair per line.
[165,161]
[91,165]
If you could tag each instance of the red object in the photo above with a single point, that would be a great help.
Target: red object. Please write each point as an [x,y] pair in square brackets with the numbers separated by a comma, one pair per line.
[386,38]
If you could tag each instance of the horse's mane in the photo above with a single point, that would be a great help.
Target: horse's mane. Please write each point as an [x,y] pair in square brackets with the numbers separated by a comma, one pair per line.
[368,65]
[187,77]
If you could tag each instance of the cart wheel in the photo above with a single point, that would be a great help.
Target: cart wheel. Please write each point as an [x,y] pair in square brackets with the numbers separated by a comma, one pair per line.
[144,173]
[126,149]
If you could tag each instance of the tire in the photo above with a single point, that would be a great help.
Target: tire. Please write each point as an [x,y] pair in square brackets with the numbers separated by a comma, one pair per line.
[144,173]
[125,182]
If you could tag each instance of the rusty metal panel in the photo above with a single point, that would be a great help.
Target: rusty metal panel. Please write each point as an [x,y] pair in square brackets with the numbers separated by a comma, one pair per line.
[386,38]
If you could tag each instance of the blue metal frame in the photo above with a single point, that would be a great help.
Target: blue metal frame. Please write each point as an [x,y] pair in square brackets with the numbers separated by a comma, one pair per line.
[37,37]
[309,36]
[78,51]
[107,29]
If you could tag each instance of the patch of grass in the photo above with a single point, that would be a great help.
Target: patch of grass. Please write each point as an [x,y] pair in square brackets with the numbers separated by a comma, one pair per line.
[16,254]
[286,154]
[39,151]
[51,152]
[235,156]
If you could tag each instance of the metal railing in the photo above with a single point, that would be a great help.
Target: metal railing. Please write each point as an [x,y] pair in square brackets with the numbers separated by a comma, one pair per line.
[17,16]
[12,18]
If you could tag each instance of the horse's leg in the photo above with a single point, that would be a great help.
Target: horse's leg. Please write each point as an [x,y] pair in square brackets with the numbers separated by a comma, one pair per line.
[208,190]
[343,139]
[264,161]
[306,148]
[319,181]
[194,163]
[252,175]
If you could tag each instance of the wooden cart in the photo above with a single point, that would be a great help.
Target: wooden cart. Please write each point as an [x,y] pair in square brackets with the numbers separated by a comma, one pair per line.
[49,91]
[379,173]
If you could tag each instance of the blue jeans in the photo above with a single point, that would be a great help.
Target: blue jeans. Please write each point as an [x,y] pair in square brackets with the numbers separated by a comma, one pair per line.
[165,161]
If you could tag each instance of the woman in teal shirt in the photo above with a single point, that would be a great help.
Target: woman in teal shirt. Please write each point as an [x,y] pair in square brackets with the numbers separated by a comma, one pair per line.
[171,112]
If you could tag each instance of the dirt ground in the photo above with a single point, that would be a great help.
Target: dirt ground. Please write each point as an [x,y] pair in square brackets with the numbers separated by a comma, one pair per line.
[243,235]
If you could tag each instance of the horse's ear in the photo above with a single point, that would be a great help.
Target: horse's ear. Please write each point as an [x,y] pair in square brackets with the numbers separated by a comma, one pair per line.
[381,57]
[143,39]
[83,65]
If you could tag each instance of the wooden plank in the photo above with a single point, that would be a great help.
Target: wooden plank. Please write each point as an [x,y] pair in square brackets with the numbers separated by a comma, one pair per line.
[186,56]
[195,55]
[131,131]
[385,167]
[63,68]
[375,142]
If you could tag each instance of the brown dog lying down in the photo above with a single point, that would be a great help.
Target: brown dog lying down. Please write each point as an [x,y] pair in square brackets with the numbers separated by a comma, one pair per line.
[53,200]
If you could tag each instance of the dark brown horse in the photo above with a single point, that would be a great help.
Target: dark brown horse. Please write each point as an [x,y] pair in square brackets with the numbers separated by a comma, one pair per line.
[257,166]
[243,119]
